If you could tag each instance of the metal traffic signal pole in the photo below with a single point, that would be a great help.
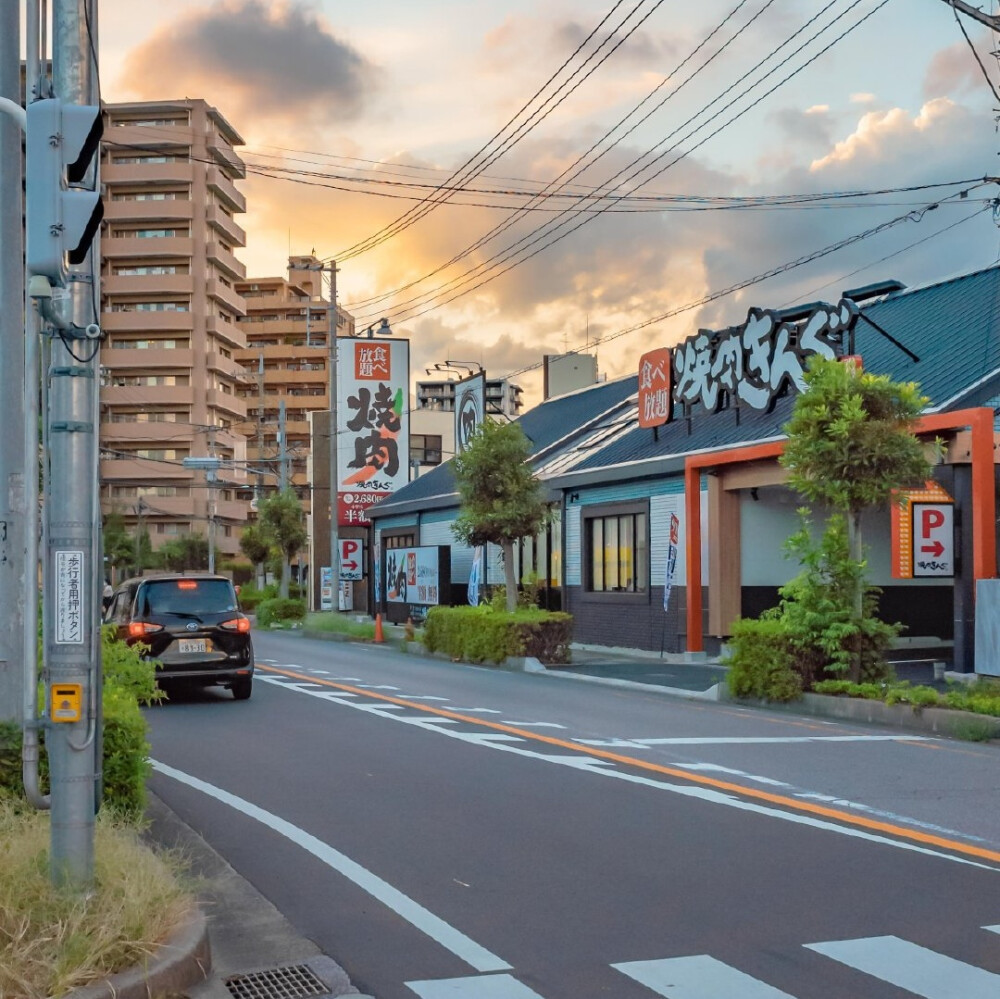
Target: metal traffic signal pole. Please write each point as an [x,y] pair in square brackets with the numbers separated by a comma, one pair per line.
[62,214]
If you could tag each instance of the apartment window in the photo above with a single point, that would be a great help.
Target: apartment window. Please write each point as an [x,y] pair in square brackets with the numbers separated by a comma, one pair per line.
[152,196]
[172,530]
[118,344]
[148,159]
[131,381]
[425,448]
[158,233]
[129,270]
[160,453]
[616,548]
[161,306]
[147,122]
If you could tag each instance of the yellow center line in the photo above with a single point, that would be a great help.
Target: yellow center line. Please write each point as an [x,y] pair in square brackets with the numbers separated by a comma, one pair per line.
[755,794]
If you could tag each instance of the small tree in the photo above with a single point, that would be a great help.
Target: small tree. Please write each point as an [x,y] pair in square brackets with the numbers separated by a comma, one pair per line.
[851,445]
[189,551]
[119,544]
[501,500]
[283,526]
[256,547]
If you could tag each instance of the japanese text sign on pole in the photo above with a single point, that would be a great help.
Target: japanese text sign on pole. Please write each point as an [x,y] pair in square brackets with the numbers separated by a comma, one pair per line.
[351,563]
[923,542]
[373,456]
[655,388]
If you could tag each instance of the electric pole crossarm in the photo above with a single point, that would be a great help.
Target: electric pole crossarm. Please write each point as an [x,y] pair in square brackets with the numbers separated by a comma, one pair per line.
[990,20]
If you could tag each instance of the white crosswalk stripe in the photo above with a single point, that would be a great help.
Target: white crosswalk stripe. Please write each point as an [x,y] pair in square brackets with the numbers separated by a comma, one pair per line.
[908,966]
[697,977]
[476,987]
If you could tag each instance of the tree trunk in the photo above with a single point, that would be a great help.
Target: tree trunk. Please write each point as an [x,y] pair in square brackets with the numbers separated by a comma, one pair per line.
[286,572]
[856,553]
[509,576]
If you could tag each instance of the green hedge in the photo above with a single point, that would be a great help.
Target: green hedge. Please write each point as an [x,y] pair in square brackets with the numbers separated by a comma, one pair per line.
[761,659]
[276,609]
[128,681]
[481,634]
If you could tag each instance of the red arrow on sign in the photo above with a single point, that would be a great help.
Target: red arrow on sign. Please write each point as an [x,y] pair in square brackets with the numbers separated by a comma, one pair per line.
[350,565]
[935,548]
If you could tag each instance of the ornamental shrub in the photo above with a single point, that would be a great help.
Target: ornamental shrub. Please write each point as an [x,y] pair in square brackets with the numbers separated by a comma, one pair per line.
[761,660]
[280,609]
[481,634]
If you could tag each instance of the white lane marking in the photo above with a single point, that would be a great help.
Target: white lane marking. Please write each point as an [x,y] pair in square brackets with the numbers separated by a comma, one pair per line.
[493,987]
[733,740]
[275,661]
[908,966]
[477,711]
[698,977]
[520,724]
[610,743]
[715,768]
[422,697]
[377,686]
[416,915]
[498,741]
[422,720]
[992,929]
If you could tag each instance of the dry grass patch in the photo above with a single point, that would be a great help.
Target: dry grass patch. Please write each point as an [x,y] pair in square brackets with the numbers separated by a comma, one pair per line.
[53,941]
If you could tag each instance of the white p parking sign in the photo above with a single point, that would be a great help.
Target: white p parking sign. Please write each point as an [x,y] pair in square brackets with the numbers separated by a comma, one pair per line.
[933,539]
[351,562]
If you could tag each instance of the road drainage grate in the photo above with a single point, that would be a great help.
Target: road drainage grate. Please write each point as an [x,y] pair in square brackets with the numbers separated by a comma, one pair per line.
[291,982]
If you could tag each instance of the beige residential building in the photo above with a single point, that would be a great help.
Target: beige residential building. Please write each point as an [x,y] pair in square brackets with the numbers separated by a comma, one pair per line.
[285,329]
[172,386]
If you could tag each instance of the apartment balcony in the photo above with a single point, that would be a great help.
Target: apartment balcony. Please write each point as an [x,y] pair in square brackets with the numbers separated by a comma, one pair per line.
[125,360]
[171,506]
[226,226]
[165,137]
[294,327]
[147,174]
[150,395]
[228,264]
[214,288]
[147,248]
[232,510]
[232,405]
[219,182]
[141,471]
[228,157]
[227,332]
[174,210]
[156,434]
[147,285]
[147,322]
[229,367]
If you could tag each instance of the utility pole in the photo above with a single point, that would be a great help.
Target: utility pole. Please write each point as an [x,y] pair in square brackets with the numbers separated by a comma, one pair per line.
[259,486]
[990,20]
[331,364]
[13,564]
[282,448]
[63,213]
[210,480]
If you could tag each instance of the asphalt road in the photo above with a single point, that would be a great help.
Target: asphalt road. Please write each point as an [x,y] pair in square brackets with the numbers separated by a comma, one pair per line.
[451,832]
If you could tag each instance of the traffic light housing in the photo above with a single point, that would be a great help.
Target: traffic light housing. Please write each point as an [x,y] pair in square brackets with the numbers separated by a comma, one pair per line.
[62,142]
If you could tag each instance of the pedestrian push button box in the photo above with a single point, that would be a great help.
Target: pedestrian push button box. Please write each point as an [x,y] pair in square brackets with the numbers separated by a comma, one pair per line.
[67,702]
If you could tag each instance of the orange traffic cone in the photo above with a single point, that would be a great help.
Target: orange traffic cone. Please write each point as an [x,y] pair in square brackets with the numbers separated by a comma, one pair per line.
[379,637]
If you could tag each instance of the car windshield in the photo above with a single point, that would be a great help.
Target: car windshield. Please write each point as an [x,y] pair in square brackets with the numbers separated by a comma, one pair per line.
[188,597]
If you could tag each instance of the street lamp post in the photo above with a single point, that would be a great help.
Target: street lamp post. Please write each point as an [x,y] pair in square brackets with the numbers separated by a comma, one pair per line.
[209,465]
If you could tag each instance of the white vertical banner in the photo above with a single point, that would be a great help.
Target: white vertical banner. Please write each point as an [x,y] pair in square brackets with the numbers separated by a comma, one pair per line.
[373,423]
[475,576]
[71,595]
[470,407]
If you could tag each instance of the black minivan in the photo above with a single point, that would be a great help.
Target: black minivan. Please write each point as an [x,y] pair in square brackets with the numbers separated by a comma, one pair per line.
[193,627]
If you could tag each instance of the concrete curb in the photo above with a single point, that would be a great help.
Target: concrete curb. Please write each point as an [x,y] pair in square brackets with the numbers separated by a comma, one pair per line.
[183,960]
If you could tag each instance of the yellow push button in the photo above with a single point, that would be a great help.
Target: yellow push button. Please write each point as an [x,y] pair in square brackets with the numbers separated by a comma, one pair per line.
[67,702]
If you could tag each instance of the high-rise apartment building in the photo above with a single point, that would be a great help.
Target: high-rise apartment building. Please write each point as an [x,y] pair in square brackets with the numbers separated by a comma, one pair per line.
[286,352]
[172,386]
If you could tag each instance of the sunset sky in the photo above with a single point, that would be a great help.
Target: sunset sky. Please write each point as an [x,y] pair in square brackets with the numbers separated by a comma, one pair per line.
[388,98]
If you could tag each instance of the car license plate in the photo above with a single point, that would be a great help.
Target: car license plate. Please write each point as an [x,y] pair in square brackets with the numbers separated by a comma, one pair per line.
[189,645]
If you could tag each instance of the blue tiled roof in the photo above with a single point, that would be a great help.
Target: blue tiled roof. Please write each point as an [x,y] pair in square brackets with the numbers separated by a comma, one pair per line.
[544,425]
[953,327]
